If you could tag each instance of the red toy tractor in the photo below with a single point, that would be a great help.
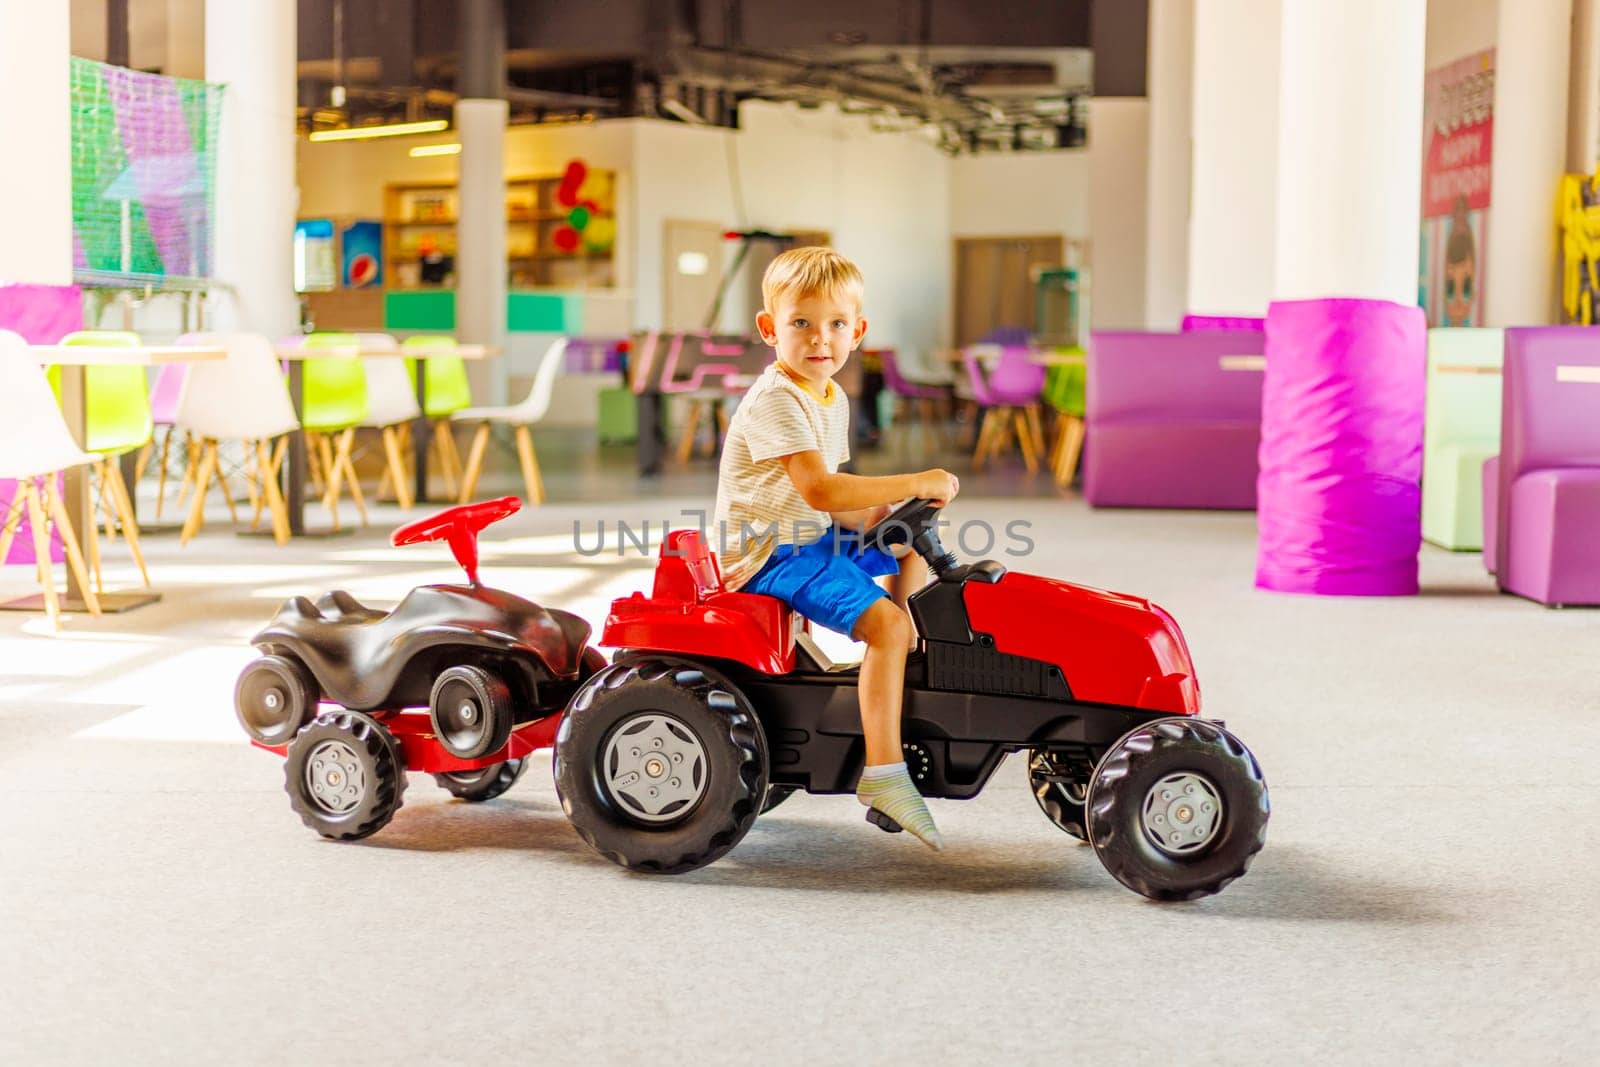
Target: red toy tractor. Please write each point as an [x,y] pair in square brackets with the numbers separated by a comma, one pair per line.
[492,670]
[715,710]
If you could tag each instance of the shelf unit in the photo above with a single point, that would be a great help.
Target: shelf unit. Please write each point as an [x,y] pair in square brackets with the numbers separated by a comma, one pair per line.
[419,212]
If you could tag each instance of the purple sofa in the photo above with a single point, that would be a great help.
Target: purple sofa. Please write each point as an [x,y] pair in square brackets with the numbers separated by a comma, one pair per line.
[1173,420]
[1548,537]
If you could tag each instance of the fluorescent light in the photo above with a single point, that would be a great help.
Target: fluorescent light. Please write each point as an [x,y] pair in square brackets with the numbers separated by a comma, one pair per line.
[357,133]
[436,150]
[693,263]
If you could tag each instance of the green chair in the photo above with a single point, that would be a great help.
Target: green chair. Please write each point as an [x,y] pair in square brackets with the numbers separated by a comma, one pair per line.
[334,403]
[1462,429]
[117,421]
[1064,392]
[448,391]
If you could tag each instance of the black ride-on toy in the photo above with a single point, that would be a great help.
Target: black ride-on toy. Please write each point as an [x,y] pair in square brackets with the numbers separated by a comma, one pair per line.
[716,709]
[492,670]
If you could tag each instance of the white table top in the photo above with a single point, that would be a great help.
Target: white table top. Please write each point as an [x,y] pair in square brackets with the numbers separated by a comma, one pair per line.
[135,355]
[298,350]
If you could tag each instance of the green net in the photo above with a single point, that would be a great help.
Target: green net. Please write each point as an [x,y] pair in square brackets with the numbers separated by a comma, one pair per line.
[144,166]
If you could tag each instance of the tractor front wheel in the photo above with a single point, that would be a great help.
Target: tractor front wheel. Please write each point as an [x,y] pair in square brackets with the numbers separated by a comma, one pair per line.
[1177,809]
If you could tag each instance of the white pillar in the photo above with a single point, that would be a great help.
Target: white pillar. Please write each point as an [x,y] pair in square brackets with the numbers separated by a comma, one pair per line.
[1171,95]
[1234,165]
[1522,272]
[1118,146]
[481,238]
[34,41]
[1350,150]
[251,49]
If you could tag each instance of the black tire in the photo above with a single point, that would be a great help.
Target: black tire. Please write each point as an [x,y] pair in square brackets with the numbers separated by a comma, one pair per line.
[592,662]
[370,764]
[486,783]
[707,714]
[777,794]
[471,711]
[274,698]
[1125,782]
[1061,801]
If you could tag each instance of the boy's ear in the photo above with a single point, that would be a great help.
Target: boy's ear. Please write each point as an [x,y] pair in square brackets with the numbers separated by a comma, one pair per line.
[767,326]
[861,331]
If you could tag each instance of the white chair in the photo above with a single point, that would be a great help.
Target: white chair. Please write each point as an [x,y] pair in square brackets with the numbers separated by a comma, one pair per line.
[522,416]
[391,407]
[241,398]
[35,444]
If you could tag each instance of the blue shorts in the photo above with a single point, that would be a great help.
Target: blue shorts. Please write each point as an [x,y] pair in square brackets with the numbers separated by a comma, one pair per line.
[829,583]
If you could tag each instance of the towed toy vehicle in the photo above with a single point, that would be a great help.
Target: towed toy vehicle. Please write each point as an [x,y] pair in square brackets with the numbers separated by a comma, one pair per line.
[490,671]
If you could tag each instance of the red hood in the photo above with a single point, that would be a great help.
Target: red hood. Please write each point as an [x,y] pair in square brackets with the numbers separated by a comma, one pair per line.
[1112,648]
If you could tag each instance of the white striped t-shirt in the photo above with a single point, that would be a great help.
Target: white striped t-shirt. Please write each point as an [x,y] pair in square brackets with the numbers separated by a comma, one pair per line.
[777,417]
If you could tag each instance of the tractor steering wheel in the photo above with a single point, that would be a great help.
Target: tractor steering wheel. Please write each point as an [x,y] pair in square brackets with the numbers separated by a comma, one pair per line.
[458,526]
[912,523]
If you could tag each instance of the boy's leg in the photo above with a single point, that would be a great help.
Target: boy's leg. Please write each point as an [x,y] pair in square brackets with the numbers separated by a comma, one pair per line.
[913,576]
[885,785]
[887,631]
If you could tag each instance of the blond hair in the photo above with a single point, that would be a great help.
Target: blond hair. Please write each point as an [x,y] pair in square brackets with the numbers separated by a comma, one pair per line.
[811,271]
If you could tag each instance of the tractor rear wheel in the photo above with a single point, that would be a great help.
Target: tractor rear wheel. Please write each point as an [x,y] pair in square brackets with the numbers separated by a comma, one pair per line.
[661,764]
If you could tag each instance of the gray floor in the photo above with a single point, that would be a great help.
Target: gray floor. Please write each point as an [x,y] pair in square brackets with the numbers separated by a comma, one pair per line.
[1427,893]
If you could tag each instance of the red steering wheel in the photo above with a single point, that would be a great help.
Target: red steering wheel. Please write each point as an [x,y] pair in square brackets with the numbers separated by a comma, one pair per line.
[458,526]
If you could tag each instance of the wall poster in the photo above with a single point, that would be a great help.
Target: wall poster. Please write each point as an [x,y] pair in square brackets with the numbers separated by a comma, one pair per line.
[1457,145]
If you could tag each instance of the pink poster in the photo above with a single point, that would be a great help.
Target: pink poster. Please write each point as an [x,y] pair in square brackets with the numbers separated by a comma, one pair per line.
[1457,145]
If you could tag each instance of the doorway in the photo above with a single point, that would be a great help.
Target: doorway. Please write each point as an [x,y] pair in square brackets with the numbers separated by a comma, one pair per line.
[995,282]
[691,270]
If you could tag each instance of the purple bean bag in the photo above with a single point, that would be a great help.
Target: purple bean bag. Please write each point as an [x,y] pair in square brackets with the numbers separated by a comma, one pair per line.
[1338,497]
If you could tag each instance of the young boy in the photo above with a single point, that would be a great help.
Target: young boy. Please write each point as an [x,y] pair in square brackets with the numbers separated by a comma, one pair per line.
[779,495]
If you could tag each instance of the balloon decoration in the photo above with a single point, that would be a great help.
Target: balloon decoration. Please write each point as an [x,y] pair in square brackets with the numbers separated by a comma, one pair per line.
[582,191]
[565,238]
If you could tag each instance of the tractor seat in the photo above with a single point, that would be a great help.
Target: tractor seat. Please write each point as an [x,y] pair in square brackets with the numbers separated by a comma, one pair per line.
[688,585]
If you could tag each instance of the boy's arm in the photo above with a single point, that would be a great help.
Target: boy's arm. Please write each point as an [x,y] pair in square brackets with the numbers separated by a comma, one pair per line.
[835,493]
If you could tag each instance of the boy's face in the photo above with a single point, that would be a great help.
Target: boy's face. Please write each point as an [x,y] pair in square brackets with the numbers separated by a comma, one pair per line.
[814,334]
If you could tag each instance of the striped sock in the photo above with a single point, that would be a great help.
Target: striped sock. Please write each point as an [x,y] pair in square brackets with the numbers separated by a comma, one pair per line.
[889,789]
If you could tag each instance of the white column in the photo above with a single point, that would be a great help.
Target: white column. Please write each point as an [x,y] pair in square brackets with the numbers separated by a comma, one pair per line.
[1234,165]
[251,48]
[34,41]
[1350,150]
[1522,270]
[1118,143]
[481,238]
[1171,94]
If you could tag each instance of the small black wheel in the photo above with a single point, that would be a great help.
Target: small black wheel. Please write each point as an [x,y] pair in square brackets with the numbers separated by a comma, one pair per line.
[1177,809]
[345,775]
[485,783]
[1059,791]
[776,794]
[661,765]
[471,711]
[274,698]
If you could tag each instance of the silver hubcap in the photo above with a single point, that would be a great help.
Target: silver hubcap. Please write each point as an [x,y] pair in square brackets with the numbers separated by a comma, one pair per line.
[334,777]
[1182,813]
[654,767]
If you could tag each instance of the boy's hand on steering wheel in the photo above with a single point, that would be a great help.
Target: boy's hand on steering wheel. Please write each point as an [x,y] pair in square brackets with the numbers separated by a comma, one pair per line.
[937,485]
